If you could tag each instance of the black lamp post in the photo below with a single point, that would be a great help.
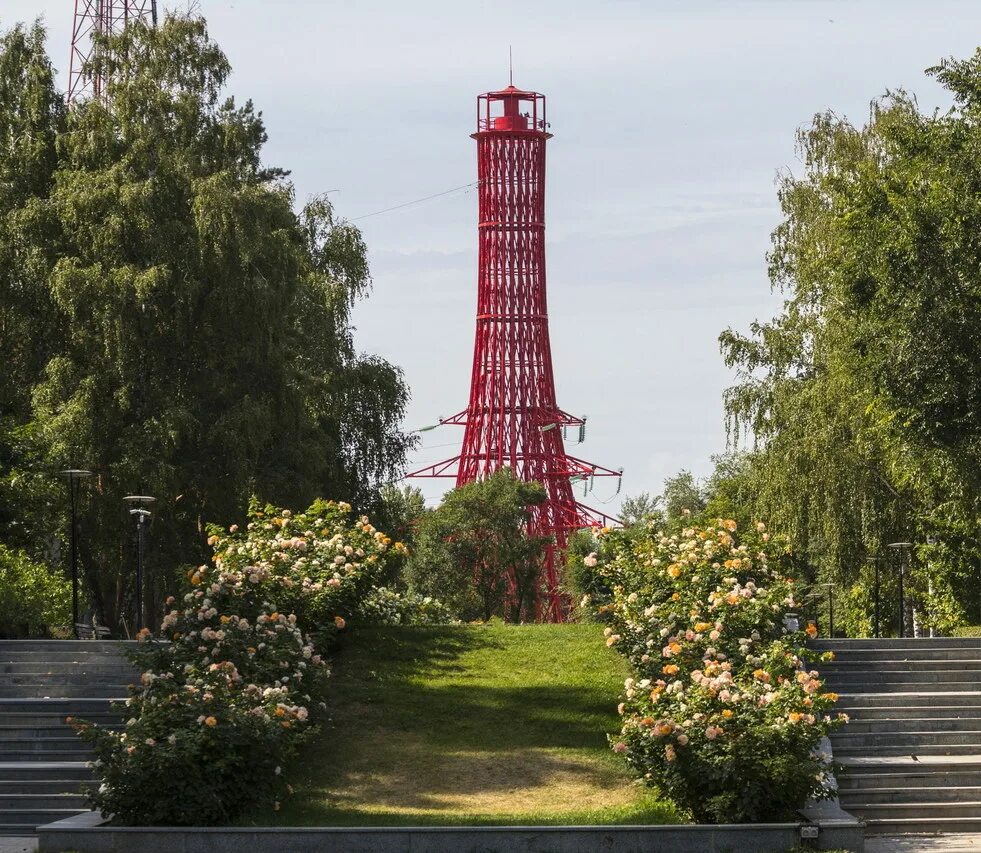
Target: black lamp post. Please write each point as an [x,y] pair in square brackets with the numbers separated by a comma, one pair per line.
[876,561]
[901,548]
[142,516]
[831,609]
[75,476]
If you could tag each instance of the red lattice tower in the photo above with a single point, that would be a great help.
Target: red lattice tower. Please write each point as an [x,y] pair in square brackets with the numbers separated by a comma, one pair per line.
[513,419]
[105,17]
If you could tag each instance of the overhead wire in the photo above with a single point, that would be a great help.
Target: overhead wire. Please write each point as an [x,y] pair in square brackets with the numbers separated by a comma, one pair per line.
[415,201]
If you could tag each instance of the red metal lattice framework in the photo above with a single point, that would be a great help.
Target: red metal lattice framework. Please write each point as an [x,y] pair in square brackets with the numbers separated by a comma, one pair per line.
[105,17]
[513,418]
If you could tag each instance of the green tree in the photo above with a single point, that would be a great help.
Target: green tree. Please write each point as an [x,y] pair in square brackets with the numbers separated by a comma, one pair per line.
[203,348]
[475,543]
[32,115]
[33,599]
[863,394]
[682,492]
[638,508]
[402,511]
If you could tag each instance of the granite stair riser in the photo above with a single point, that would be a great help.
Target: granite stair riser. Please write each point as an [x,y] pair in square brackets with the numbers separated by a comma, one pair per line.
[36,771]
[926,794]
[14,802]
[56,705]
[62,741]
[852,787]
[75,680]
[67,670]
[80,691]
[907,644]
[885,725]
[61,787]
[42,647]
[903,686]
[905,716]
[54,721]
[43,764]
[858,701]
[865,683]
[848,667]
[909,740]
[869,657]
[907,811]
[923,826]
[22,733]
[34,817]
[49,755]
[43,750]
[927,678]
[841,751]
[888,770]
[66,658]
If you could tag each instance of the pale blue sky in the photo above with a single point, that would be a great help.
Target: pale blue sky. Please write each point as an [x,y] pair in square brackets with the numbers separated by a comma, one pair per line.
[671,120]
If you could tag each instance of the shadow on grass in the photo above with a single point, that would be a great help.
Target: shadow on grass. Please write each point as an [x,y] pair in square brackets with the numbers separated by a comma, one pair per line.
[418,685]
[450,725]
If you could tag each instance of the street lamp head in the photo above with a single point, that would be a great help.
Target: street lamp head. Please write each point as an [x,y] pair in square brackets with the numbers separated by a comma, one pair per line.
[900,546]
[140,513]
[75,473]
[139,499]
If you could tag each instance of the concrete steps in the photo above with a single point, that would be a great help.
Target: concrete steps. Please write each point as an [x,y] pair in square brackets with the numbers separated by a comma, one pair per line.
[912,751]
[43,764]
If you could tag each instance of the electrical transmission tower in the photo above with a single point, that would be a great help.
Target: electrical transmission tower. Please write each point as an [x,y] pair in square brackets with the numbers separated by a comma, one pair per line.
[513,419]
[105,17]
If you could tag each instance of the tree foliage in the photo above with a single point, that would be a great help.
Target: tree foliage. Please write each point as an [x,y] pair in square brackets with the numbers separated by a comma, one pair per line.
[474,545]
[402,511]
[33,599]
[864,394]
[172,322]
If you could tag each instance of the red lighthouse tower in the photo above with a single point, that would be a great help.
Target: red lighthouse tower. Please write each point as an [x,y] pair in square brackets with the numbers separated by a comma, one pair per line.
[105,18]
[513,419]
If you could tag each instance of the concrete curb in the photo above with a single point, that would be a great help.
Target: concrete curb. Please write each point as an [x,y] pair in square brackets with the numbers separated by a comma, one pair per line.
[88,833]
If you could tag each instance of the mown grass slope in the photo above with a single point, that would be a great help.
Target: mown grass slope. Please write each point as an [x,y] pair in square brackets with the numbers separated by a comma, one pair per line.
[489,724]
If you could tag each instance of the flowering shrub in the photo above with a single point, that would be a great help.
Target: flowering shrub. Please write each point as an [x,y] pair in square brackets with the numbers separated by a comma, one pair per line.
[225,701]
[721,713]
[385,606]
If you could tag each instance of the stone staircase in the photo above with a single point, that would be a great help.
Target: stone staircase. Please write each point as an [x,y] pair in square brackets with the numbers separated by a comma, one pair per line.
[43,765]
[912,751]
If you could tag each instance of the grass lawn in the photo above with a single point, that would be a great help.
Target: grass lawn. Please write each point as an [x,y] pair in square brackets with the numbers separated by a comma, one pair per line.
[490,724]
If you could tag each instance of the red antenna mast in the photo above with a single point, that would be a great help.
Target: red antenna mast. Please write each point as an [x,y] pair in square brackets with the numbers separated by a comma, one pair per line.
[105,17]
[513,419]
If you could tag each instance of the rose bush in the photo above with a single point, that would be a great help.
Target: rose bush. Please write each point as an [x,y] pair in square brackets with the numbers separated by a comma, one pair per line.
[228,688]
[722,713]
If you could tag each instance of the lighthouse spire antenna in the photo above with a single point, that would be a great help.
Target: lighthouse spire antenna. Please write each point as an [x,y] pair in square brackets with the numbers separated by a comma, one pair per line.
[510,67]
[513,419]
[99,18]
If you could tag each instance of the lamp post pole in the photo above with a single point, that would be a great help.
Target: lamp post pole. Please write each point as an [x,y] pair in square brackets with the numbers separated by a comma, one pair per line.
[142,517]
[901,548]
[877,560]
[831,609]
[74,475]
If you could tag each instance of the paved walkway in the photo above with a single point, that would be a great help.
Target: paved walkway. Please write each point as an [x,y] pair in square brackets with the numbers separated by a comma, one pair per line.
[966,843]
[17,845]
[959,843]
